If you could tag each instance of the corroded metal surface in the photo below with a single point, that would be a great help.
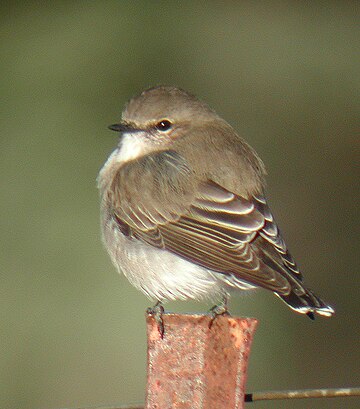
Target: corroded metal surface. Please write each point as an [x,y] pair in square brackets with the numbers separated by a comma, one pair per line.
[197,367]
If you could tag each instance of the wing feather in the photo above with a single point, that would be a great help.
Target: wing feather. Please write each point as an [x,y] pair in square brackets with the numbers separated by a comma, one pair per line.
[203,222]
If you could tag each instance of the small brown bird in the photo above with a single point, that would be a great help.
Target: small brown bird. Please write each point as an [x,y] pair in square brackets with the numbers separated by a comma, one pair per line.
[183,210]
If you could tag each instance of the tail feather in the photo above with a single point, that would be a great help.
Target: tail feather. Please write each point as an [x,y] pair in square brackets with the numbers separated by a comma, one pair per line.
[306,302]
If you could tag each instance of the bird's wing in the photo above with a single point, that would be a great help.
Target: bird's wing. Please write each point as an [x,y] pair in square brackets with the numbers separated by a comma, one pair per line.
[234,236]
[204,223]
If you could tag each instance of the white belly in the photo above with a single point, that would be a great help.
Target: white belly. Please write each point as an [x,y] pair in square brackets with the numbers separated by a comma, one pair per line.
[160,274]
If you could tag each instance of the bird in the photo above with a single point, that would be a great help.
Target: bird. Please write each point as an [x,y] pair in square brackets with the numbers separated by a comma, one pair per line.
[183,208]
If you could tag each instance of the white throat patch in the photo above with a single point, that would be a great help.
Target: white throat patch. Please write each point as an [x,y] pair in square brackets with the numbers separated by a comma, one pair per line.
[133,145]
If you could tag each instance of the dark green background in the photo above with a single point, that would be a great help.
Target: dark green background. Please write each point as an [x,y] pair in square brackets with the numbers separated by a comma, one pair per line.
[284,74]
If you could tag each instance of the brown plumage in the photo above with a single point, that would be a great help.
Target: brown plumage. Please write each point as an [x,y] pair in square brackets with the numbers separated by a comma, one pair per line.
[183,208]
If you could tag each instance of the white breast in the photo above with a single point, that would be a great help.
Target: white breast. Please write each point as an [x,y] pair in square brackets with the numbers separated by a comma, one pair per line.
[132,146]
[160,274]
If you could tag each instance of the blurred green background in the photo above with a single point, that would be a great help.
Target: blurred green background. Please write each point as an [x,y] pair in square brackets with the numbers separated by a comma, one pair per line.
[284,74]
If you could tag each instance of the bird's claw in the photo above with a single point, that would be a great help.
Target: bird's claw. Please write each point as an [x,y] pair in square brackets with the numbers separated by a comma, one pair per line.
[157,311]
[219,309]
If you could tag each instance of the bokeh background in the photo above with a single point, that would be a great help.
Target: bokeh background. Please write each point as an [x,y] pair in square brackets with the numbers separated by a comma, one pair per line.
[284,74]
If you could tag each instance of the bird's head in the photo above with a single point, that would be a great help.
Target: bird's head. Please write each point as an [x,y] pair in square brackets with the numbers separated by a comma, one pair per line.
[155,119]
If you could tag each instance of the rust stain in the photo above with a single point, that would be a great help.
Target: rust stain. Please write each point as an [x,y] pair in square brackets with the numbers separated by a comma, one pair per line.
[194,367]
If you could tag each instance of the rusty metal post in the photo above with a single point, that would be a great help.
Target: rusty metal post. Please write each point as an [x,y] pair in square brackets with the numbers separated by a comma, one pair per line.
[197,367]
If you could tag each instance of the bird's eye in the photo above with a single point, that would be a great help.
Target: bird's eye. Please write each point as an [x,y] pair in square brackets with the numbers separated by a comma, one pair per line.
[163,125]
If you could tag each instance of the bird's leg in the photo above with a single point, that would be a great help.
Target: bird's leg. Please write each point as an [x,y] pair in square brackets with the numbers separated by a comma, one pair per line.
[157,311]
[219,309]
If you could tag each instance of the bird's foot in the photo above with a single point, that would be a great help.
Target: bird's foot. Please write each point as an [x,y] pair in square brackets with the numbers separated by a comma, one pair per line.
[157,311]
[219,309]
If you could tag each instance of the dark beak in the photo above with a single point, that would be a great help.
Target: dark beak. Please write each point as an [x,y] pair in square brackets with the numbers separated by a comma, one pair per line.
[122,127]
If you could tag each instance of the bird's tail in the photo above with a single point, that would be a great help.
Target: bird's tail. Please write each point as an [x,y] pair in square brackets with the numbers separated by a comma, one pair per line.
[304,301]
